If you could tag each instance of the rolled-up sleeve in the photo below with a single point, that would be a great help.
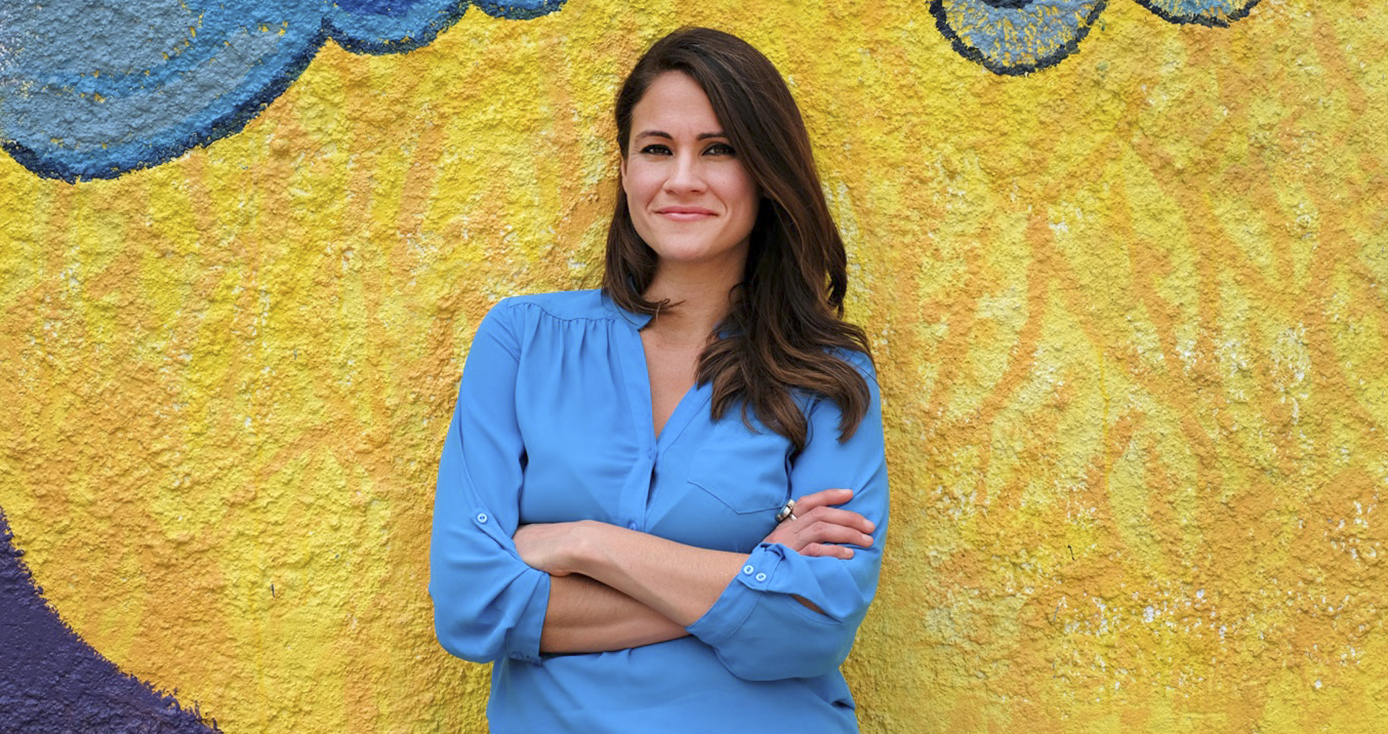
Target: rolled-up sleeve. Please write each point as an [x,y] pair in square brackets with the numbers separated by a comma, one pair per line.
[758,628]
[488,603]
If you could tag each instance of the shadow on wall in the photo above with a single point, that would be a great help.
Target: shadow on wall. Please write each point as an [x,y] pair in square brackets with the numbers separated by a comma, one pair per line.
[52,681]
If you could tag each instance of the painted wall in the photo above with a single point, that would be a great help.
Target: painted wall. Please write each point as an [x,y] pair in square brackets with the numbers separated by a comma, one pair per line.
[1125,265]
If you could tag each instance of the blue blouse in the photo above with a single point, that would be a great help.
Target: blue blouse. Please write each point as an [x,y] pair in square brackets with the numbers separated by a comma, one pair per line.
[553,424]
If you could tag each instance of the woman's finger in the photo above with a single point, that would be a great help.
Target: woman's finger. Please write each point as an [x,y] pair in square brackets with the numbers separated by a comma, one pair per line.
[831,551]
[821,498]
[817,521]
[823,532]
[833,515]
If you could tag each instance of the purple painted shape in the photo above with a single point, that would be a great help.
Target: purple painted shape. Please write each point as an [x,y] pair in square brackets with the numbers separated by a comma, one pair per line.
[52,682]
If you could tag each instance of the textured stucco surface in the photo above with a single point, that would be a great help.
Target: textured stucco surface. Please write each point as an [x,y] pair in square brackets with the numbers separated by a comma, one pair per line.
[52,681]
[1130,314]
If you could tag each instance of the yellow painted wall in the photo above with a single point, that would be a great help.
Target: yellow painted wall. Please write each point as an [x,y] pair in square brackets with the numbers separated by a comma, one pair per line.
[1130,314]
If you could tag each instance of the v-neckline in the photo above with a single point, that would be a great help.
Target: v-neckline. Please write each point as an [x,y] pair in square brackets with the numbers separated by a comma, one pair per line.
[638,381]
[642,404]
[669,361]
[684,408]
[681,412]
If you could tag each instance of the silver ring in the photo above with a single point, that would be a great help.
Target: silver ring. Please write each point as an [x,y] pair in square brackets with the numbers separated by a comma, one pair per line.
[787,512]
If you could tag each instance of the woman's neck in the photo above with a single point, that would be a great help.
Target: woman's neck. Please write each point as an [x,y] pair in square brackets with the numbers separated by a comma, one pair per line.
[700,299]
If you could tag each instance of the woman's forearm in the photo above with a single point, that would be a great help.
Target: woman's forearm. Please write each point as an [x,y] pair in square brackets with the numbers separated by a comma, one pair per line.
[675,581]
[585,615]
[680,582]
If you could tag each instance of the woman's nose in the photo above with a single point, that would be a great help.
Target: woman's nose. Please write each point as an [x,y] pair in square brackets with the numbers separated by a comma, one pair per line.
[687,175]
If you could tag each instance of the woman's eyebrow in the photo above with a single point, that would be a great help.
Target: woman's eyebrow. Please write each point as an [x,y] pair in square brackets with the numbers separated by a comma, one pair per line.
[668,136]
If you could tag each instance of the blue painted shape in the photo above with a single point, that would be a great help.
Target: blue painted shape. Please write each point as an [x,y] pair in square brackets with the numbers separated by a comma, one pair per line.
[1213,13]
[390,26]
[51,682]
[1015,37]
[96,88]
[392,8]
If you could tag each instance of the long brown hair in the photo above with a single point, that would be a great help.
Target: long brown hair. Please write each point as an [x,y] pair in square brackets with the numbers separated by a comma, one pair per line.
[786,329]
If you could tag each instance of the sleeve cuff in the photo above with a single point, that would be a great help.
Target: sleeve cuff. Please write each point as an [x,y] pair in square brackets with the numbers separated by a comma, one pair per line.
[524,642]
[740,598]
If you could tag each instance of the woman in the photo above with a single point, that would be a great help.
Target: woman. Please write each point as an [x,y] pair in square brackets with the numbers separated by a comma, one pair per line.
[661,505]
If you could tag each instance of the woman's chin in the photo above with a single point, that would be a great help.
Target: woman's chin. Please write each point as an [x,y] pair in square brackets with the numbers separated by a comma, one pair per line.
[699,253]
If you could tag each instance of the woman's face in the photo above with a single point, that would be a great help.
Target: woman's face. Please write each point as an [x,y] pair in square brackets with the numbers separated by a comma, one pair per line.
[691,199]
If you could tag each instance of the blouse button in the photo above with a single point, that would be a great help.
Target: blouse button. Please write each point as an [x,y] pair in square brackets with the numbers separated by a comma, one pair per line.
[631,525]
[761,577]
[748,569]
[482,517]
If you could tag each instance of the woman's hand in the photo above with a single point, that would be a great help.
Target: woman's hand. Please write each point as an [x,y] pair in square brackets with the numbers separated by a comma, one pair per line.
[819,529]
[549,547]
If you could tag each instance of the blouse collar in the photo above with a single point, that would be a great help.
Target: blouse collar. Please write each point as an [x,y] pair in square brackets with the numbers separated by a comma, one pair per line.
[638,321]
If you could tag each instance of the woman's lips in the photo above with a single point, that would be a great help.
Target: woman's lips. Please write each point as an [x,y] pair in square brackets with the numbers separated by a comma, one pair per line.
[684,213]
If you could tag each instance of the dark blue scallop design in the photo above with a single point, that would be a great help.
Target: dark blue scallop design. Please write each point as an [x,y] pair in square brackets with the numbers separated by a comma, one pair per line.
[51,682]
[1015,37]
[94,88]
[1018,37]
[1213,13]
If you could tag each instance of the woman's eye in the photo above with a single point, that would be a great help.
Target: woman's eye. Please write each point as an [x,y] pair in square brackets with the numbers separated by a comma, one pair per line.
[656,149]
[719,149]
